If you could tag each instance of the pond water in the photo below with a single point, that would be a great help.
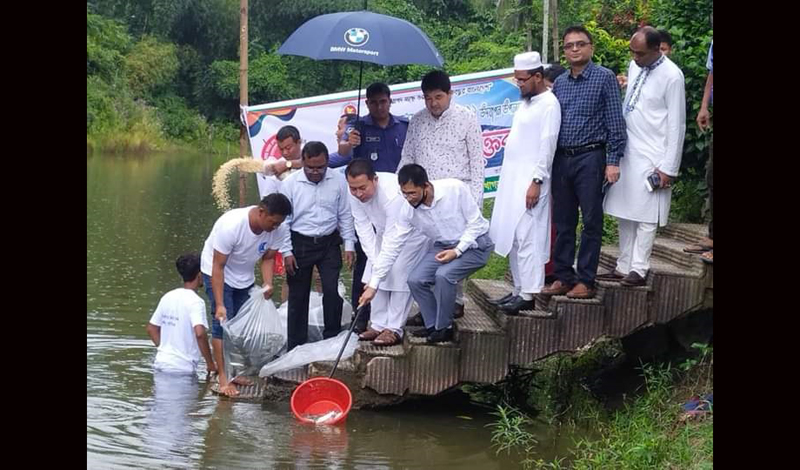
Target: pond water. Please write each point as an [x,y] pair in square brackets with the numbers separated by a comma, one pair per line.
[144,211]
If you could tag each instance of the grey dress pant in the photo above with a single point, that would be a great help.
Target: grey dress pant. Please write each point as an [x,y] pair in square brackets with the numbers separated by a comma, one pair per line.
[433,284]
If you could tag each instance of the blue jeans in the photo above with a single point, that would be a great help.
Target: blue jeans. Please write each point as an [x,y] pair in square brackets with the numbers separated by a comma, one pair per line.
[232,298]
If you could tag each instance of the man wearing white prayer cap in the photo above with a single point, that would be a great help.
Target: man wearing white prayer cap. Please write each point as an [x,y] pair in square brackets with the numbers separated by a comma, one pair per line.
[520,224]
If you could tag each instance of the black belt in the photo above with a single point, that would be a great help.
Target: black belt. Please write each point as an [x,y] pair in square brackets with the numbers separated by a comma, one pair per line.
[333,236]
[572,151]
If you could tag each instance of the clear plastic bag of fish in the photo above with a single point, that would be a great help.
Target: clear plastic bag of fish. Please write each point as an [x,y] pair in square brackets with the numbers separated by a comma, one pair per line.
[253,337]
[316,317]
[325,350]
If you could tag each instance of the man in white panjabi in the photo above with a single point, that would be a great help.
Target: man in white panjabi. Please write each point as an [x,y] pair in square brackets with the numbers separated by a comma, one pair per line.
[655,118]
[520,225]
[376,202]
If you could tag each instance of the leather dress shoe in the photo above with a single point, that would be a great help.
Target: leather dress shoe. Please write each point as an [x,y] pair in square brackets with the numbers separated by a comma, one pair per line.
[513,308]
[423,332]
[416,320]
[501,300]
[581,291]
[556,288]
[459,311]
[440,336]
[633,279]
[611,276]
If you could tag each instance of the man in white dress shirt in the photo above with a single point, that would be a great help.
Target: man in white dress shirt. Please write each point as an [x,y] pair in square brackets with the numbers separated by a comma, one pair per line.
[376,203]
[520,224]
[655,118]
[445,211]
[320,219]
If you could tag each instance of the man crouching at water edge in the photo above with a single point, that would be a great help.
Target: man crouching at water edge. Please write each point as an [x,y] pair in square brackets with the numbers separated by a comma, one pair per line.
[240,238]
[444,210]
[376,202]
[178,326]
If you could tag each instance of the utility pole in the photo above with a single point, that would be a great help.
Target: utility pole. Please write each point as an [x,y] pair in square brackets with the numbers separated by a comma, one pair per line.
[545,29]
[555,31]
[242,96]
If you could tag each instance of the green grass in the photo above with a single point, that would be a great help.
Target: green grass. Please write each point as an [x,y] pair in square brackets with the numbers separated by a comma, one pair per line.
[645,433]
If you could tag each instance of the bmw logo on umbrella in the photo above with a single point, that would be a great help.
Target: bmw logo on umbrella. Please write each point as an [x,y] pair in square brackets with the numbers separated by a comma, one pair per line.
[356,36]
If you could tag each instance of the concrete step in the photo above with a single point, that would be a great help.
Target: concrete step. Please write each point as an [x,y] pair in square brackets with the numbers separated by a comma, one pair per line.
[671,250]
[484,349]
[658,264]
[480,290]
[626,308]
[686,233]
[254,392]
[675,289]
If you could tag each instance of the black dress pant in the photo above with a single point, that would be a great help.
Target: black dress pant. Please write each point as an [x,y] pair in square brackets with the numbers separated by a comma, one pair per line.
[578,183]
[326,254]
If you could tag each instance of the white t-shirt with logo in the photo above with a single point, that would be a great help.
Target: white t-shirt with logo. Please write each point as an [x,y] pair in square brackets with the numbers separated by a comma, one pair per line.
[178,312]
[232,236]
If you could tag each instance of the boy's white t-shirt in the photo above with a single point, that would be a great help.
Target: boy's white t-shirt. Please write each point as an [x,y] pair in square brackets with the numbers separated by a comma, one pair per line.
[178,312]
[232,236]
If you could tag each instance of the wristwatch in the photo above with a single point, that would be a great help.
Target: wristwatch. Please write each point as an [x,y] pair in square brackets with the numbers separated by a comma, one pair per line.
[537,181]
[288,164]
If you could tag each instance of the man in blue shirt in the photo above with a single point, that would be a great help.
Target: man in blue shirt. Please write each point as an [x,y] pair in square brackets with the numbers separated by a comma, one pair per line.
[320,220]
[384,136]
[590,145]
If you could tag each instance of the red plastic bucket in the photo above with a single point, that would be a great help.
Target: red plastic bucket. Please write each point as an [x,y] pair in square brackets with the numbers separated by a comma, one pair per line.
[319,396]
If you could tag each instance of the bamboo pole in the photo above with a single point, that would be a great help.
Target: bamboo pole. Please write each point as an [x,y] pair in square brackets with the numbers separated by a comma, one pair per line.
[556,38]
[243,150]
[545,29]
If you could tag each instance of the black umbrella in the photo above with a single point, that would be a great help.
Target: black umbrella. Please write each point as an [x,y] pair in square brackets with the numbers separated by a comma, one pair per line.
[363,36]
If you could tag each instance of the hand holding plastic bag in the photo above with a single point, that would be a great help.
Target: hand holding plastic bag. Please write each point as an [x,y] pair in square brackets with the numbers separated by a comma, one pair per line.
[253,337]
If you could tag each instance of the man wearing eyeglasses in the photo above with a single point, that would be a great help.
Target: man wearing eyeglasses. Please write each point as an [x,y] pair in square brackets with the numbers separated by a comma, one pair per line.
[320,219]
[591,142]
[383,137]
[520,224]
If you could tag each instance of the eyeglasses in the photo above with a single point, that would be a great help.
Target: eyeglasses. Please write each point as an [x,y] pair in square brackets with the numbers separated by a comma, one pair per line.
[521,82]
[579,44]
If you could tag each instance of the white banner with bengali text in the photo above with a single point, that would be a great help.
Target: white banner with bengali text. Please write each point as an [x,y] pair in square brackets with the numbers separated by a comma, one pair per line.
[493,96]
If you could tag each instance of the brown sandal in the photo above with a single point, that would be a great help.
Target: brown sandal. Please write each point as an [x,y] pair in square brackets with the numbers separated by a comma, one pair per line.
[369,335]
[387,338]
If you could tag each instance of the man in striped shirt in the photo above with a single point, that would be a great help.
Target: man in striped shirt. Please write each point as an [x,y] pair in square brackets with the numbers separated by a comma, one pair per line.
[590,145]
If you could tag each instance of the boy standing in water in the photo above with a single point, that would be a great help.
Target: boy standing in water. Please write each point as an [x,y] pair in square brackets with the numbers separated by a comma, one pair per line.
[178,326]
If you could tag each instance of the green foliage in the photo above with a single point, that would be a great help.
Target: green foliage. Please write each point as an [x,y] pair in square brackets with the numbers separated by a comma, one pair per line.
[509,433]
[688,196]
[610,52]
[151,67]
[178,121]
[688,21]
[645,433]
[106,43]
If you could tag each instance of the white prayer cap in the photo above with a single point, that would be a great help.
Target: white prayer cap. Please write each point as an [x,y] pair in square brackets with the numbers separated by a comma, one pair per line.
[527,61]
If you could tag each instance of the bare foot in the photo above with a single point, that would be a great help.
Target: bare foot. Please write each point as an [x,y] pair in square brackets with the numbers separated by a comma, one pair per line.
[242,380]
[229,390]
